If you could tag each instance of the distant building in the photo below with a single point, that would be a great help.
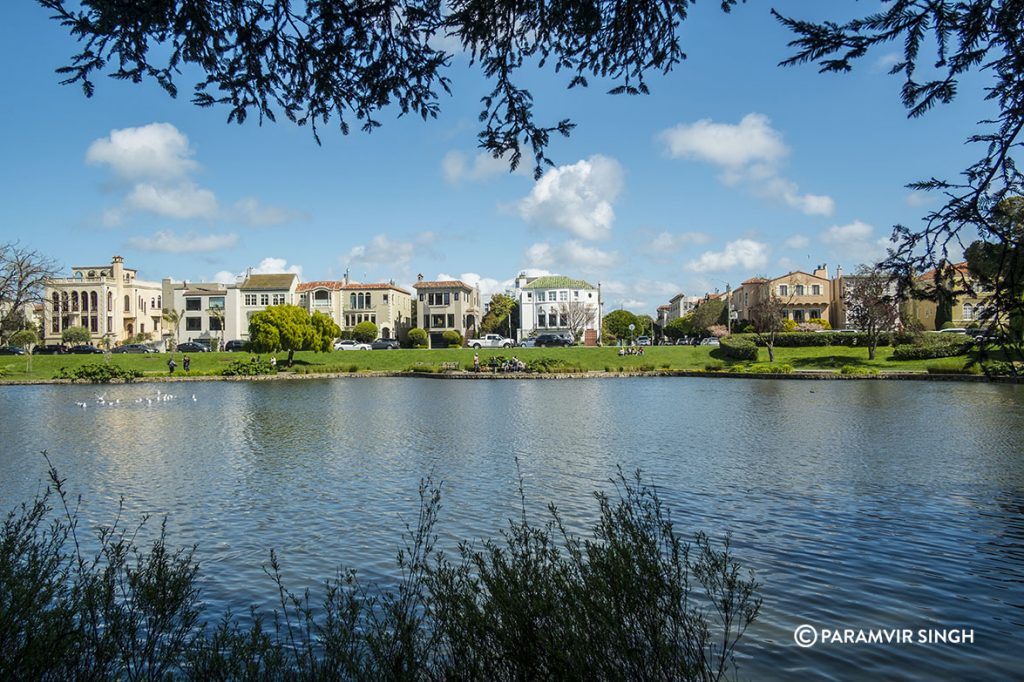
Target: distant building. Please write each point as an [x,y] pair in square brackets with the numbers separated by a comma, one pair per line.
[557,304]
[964,304]
[385,304]
[108,300]
[447,305]
[804,296]
[842,286]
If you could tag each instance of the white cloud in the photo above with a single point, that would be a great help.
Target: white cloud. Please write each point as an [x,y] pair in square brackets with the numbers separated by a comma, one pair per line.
[668,242]
[458,168]
[225,277]
[251,211]
[382,250]
[157,151]
[887,61]
[918,199]
[273,266]
[156,162]
[569,256]
[732,146]
[748,153]
[488,286]
[576,198]
[641,296]
[851,232]
[797,241]
[167,241]
[745,253]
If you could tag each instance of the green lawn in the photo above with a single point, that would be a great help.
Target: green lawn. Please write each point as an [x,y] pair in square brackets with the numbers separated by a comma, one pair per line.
[14,368]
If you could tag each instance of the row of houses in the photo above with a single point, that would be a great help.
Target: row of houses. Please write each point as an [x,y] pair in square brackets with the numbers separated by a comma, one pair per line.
[815,295]
[114,305]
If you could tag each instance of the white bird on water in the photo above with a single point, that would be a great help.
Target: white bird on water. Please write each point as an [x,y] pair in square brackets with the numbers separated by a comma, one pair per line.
[193,397]
[83,405]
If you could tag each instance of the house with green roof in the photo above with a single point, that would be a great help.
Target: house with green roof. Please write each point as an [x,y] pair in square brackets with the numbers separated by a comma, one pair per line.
[555,304]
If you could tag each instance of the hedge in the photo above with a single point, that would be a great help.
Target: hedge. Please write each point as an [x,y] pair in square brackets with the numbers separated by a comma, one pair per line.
[738,348]
[804,339]
[932,350]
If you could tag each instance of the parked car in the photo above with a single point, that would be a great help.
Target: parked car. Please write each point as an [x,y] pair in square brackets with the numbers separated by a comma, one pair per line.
[528,343]
[545,340]
[643,340]
[85,349]
[11,350]
[235,345]
[492,341]
[350,344]
[133,348]
[385,344]
[954,330]
[49,350]
[191,347]
[710,341]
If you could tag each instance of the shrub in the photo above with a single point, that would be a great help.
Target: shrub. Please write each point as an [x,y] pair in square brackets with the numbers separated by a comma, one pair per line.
[934,347]
[824,324]
[75,336]
[364,332]
[254,366]
[948,325]
[769,369]
[99,373]
[417,337]
[807,339]
[857,370]
[714,367]
[547,365]
[738,348]
[945,369]
[998,368]
[452,338]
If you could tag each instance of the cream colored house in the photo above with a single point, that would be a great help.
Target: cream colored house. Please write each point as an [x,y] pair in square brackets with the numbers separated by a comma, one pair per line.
[804,296]
[965,306]
[385,304]
[108,300]
[446,305]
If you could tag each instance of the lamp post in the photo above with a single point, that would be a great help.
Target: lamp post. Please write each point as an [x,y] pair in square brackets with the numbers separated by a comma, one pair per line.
[728,308]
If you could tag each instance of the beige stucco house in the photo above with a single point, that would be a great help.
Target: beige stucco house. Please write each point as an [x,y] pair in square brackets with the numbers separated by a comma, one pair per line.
[446,305]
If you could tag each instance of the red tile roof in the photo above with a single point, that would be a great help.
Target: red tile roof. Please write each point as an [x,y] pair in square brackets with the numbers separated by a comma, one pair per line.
[451,283]
[351,286]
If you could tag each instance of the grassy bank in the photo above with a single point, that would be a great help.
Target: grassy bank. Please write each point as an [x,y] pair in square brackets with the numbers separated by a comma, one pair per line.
[679,358]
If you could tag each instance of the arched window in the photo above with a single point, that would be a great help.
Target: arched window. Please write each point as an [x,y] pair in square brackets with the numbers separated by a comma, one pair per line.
[362,302]
[152,302]
[74,301]
[85,301]
[110,301]
[94,298]
[353,299]
[159,303]
[968,311]
[127,302]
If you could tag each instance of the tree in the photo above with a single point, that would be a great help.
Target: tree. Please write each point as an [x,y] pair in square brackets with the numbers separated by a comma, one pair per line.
[281,327]
[23,275]
[502,315]
[998,267]
[707,314]
[617,324]
[24,338]
[418,337]
[215,313]
[364,332]
[313,61]
[452,338]
[76,336]
[678,328]
[969,37]
[173,318]
[325,330]
[578,316]
[767,319]
[872,303]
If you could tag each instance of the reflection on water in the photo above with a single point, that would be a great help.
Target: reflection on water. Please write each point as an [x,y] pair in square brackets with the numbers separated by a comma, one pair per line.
[859,504]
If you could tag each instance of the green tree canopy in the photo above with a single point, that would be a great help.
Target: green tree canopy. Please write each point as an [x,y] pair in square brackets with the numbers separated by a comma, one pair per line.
[616,323]
[417,337]
[677,328]
[24,338]
[281,327]
[75,336]
[364,332]
[496,320]
[707,314]
[325,330]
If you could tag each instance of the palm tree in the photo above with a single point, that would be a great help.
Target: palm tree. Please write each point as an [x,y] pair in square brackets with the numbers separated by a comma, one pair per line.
[217,313]
[173,317]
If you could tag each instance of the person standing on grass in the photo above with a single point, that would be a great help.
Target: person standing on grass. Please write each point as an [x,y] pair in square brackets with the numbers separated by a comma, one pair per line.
[476,362]
[186,363]
[171,364]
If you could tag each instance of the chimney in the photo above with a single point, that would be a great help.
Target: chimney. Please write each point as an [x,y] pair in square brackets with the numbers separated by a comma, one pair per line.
[821,271]
[419,277]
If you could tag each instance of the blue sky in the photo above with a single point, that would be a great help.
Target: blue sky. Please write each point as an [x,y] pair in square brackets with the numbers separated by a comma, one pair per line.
[733,167]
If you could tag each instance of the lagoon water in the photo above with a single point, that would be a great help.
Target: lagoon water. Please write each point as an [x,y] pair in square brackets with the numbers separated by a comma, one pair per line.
[859,504]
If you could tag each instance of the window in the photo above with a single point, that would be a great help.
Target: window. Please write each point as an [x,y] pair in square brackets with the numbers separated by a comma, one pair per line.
[799,289]
[814,315]
[193,324]
[451,320]
[216,303]
[127,302]
[216,324]
[816,289]
[278,299]
[575,294]
[563,295]
[552,319]
[437,321]
[264,299]
[385,298]
[783,290]
[540,297]
[193,304]
[798,316]
[541,318]
[529,295]
[421,297]
[250,299]
[968,311]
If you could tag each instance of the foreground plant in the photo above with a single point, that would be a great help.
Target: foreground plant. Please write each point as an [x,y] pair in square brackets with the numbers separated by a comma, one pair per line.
[631,601]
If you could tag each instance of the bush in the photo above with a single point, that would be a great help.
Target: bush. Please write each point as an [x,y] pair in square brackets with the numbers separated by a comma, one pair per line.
[806,339]
[944,369]
[856,370]
[365,332]
[998,368]
[254,366]
[934,347]
[417,337]
[714,367]
[99,373]
[738,348]
[546,365]
[452,338]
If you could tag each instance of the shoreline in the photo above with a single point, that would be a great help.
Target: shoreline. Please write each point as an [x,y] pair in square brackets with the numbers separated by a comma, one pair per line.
[462,375]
